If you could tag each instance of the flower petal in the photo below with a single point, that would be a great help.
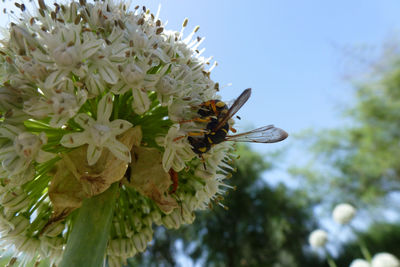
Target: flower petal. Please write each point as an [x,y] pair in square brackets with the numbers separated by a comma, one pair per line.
[104,108]
[120,126]
[94,84]
[84,120]
[9,131]
[90,47]
[93,154]
[58,121]
[168,157]
[44,156]
[119,150]
[141,101]
[54,78]
[108,74]
[5,152]
[178,164]
[75,139]
[120,88]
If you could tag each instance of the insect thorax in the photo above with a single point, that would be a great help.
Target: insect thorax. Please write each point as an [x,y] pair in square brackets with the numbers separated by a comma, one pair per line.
[212,108]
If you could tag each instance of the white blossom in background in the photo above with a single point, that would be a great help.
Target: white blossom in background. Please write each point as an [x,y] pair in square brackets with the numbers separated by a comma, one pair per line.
[384,259]
[360,263]
[343,213]
[318,238]
[86,90]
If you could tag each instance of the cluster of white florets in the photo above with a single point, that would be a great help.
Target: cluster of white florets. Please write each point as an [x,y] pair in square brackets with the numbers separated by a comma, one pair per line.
[82,76]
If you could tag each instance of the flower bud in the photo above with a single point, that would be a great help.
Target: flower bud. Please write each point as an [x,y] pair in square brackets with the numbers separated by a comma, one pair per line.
[360,263]
[139,242]
[133,75]
[385,259]
[122,247]
[114,261]
[343,213]
[20,224]
[140,40]
[54,229]
[65,56]
[318,238]
[166,85]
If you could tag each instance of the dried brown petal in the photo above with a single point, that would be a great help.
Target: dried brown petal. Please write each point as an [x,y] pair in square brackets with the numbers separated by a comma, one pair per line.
[149,178]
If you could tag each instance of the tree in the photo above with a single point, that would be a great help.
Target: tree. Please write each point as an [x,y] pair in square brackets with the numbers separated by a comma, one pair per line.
[264,226]
[361,161]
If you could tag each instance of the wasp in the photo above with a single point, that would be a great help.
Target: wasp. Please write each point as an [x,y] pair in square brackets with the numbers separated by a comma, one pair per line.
[217,115]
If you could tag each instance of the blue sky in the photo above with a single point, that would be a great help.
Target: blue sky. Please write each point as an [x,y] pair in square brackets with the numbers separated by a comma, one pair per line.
[292,53]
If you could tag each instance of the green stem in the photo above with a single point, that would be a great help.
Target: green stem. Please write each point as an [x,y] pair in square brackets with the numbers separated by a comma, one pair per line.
[329,259]
[364,250]
[331,262]
[87,243]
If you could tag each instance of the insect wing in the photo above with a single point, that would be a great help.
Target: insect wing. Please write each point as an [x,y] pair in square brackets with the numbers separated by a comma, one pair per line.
[266,134]
[239,102]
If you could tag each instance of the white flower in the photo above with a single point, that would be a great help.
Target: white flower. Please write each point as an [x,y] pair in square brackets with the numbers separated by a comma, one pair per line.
[29,245]
[121,247]
[32,70]
[15,200]
[165,87]
[133,75]
[21,149]
[360,263]
[178,109]
[385,259]
[177,149]
[9,99]
[135,78]
[60,103]
[100,133]
[343,213]
[67,48]
[66,55]
[318,238]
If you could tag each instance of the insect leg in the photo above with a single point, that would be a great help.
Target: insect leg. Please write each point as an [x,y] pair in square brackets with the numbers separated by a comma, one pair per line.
[188,134]
[207,119]
[175,180]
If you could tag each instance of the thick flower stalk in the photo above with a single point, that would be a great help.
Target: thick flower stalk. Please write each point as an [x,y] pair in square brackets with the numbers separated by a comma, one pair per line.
[94,94]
